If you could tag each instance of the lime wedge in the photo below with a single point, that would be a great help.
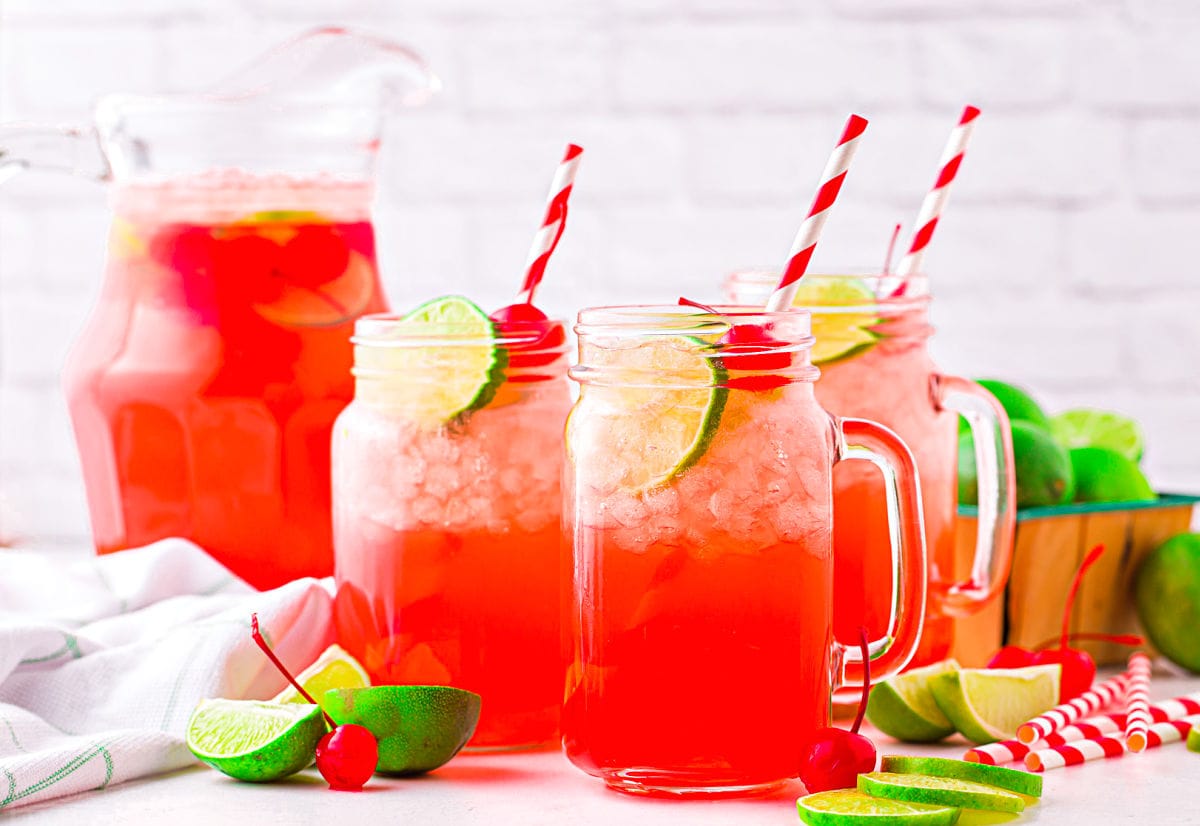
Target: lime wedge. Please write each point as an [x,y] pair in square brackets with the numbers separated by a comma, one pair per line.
[255,741]
[434,384]
[1193,739]
[1012,780]
[839,325]
[418,727]
[846,808]
[1099,428]
[335,668]
[939,791]
[988,704]
[657,424]
[904,708]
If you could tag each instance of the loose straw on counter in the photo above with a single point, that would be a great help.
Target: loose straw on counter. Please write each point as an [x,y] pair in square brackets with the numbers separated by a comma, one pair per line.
[1086,703]
[1137,702]
[1102,748]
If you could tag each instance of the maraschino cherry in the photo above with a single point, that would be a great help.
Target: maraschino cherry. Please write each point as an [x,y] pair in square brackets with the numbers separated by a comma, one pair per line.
[834,758]
[751,348]
[532,338]
[348,754]
[1078,667]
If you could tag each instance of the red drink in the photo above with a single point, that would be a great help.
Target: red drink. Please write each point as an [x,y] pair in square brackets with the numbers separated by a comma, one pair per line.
[875,365]
[205,386]
[702,576]
[447,526]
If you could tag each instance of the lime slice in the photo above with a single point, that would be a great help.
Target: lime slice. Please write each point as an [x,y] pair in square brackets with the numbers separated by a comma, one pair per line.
[839,326]
[1021,782]
[1193,740]
[658,423]
[939,791]
[904,708]
[456,373]
[845,808]
[335,668]
[988,704]
[255,741]
[419,727]
[1099,428]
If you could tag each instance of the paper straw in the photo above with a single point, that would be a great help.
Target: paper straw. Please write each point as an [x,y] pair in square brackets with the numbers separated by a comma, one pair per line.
[1103,748]
[810,230]
[546,238]
[935,199]
[1137,702]
[1091,700]
[1010,751]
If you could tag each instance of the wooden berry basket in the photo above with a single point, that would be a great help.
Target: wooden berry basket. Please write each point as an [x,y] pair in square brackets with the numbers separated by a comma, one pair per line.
[1049,544]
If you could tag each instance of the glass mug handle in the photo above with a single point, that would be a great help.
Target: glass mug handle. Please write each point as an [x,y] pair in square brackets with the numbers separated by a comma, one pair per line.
[997,494]
[870,442]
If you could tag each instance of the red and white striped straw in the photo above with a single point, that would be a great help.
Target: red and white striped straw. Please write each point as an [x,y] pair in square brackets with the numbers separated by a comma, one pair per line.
[1090,701]
[1102,748]
[546,238]
[935,199]
[810,231]
[1137,702]
[1010,751]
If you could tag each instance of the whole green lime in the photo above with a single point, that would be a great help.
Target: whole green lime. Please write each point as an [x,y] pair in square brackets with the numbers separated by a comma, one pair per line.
[1043,468]
[1103,475]
[1167,595]
[1017,403]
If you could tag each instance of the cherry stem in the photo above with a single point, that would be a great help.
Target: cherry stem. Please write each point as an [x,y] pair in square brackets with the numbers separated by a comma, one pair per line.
[1116,639]
[1088,561]
[266,649]
[891,249]
[866,682]
[687,302]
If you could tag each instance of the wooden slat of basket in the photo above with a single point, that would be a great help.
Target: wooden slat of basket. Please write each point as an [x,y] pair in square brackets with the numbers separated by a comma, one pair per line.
[1101,597]
[1044,559]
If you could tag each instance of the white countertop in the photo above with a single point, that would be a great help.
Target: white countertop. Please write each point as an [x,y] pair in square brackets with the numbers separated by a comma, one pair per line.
[1160,786]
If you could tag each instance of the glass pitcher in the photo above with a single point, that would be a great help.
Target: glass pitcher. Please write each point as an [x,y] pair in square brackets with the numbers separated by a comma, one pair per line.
[872,351]
[204,388]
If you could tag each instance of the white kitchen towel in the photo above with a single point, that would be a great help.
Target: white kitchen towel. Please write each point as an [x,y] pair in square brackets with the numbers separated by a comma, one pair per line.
[102,660]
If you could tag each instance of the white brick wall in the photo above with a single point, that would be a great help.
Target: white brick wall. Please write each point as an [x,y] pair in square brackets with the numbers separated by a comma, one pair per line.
[1068,259]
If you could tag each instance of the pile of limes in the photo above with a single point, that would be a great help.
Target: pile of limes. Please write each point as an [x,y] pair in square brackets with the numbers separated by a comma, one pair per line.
[1080,455]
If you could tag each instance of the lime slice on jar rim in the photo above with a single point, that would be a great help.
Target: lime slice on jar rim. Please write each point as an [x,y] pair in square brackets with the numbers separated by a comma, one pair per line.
[255,741]
[656,431]
[433,384]
[840,327]
[845,808]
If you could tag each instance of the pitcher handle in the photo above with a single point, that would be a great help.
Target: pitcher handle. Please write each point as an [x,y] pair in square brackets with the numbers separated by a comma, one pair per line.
[997,494]
[62,149]
[870,442]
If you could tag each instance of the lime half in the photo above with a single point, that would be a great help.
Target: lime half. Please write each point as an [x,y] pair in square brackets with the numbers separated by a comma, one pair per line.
[1013,780]
[939,791]
[1193,738]
[335,668]
[662,416]
[1099,428]
[839,326]
[845,808]
[255,741]
[988,704]
[904,708]
[457,372]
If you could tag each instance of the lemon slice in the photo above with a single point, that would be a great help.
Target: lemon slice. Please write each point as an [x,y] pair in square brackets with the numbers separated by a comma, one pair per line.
[988,704]
[335,668]
[434,384]
[839,326]
[662,416]
[254,741]
[846,808]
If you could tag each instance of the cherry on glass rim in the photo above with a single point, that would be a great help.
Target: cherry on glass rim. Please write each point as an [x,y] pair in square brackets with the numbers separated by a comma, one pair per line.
[750,348]
[347,755]
[833,758]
